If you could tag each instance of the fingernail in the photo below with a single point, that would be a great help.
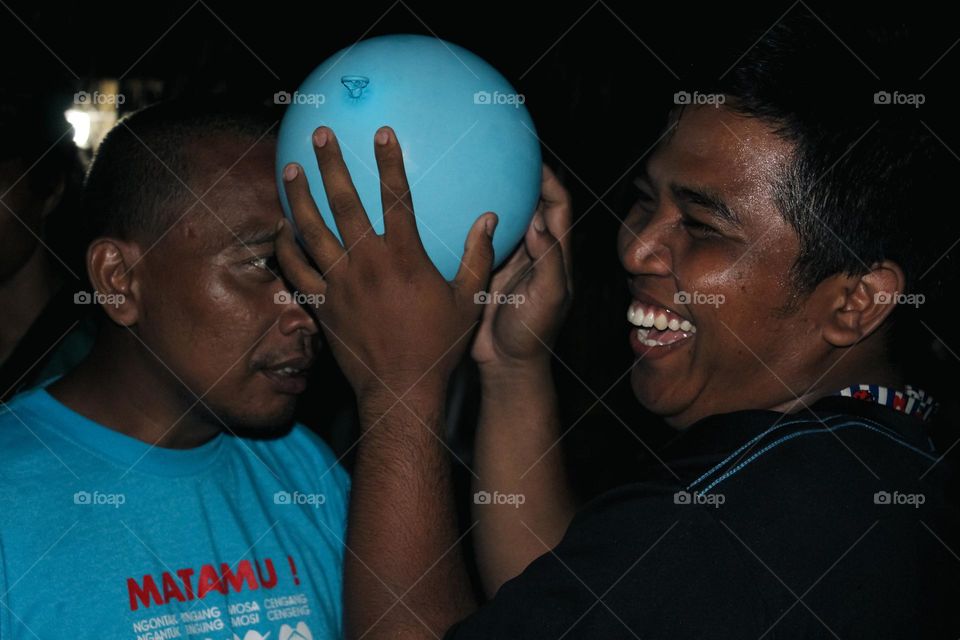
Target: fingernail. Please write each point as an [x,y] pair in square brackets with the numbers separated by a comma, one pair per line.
[538,225]
[382,137]
[279,225]
[491,224]
[320,137]
[290,172]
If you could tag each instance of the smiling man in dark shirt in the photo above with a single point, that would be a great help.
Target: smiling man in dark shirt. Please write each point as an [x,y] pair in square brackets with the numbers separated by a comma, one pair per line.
[773,239]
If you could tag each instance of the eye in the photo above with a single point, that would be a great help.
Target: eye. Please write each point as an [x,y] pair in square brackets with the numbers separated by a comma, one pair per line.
[643,195]
[265,263]
[698,229]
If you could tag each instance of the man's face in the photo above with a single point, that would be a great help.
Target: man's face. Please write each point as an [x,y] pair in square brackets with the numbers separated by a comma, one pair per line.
[728,279]
[213,308]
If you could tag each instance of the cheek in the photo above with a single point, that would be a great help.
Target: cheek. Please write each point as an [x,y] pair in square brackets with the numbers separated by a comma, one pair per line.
[729,299]
[213,326]
[713,287]
[236,315]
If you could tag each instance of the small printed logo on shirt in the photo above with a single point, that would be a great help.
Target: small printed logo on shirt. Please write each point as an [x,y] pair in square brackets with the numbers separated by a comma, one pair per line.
[300,632]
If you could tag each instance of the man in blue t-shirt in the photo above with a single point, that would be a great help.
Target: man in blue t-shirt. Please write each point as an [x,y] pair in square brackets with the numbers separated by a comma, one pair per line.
[158,489]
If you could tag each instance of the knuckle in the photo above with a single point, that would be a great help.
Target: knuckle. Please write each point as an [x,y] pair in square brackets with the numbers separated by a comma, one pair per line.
[344,204]
[311,234]
[398,206]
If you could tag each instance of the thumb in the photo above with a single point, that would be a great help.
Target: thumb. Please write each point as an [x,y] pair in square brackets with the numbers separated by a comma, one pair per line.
[477,256]
[547,253]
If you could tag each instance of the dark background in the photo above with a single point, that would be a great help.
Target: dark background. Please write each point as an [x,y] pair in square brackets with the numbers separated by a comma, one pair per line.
[598,78]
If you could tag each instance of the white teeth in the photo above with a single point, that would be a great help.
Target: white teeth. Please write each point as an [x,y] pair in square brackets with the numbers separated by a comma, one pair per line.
[642,336]
[650,342]
[286,371]
[649,318]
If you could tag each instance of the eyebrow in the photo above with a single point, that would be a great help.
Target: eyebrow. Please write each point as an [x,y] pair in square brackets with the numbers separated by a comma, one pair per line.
[699,196]
[707,199]
[254,237]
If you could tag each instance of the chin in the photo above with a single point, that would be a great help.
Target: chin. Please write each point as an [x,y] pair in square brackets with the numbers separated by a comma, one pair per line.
[660,401]
[262,418]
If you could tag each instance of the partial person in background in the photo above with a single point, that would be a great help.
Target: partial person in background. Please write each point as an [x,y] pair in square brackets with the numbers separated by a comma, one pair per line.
[45,329]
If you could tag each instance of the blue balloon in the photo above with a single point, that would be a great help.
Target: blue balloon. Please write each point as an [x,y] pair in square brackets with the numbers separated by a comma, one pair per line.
[469,144]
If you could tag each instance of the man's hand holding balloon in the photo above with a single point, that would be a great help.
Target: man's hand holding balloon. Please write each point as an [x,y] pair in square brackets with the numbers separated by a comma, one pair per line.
[536,288]
[516,449]
[397,328]
[391,319]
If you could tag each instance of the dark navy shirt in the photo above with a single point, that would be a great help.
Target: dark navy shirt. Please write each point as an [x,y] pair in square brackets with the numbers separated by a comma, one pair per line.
[833,522]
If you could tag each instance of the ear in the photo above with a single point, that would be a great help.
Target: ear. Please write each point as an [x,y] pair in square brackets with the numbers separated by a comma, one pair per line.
[860,304]
[112,265]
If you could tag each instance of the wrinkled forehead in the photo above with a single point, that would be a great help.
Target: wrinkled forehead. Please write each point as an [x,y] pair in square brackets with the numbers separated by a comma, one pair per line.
[718,148]
[234,194]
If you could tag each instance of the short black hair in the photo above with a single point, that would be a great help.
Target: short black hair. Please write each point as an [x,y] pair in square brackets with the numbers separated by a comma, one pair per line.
[867,176]
[138,181]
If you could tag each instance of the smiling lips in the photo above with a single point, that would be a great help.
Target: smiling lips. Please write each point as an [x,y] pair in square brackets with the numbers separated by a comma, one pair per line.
[289,376]
[658,326]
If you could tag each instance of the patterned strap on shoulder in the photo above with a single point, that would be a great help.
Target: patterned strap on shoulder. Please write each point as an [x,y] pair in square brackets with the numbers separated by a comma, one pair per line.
[911,401]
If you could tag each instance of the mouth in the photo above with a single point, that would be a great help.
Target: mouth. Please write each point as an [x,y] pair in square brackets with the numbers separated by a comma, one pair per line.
[657,329]
[289,376]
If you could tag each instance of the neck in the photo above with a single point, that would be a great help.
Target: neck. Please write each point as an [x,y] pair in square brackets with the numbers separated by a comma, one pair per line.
[23,297]
[870,366]
[122,386]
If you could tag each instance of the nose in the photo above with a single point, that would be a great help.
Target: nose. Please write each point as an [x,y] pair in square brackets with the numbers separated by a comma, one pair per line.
[642,245]
[293,317]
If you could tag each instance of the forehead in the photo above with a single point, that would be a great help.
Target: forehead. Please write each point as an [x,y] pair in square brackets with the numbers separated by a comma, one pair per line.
[234,178]
[719,148]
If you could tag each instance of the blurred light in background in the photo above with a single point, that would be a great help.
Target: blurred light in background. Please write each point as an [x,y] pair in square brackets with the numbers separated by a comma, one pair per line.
[81,127]
[94,112]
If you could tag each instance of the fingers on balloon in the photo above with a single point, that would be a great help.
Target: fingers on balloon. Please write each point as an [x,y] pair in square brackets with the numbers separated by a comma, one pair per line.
[345,205]
[319,241]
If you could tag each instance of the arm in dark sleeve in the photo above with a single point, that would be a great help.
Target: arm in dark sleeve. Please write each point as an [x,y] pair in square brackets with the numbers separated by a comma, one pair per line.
[633,564]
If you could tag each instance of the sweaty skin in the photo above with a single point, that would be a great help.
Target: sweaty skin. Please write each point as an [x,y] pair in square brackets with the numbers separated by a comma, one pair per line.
[189,351]
[749,351]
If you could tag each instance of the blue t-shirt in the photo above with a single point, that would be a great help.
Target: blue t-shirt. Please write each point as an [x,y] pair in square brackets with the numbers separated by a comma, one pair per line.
[103,536]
